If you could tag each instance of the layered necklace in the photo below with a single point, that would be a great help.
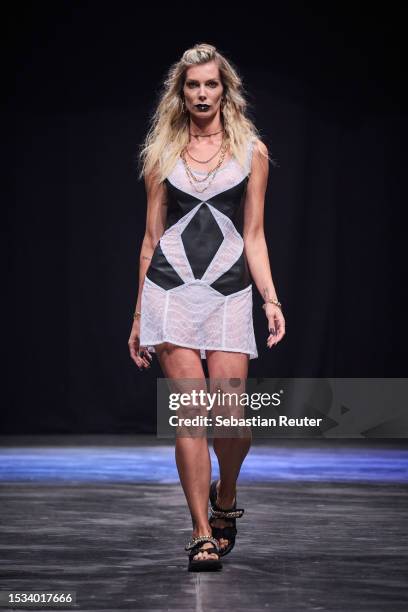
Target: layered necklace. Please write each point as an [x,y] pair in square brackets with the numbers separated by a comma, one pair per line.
[211,173]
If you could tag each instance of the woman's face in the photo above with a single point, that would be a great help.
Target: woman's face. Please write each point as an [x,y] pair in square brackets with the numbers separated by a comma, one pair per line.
[203,86]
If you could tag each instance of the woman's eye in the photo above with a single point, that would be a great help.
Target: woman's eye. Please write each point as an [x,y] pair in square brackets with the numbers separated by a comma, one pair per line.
[212,84]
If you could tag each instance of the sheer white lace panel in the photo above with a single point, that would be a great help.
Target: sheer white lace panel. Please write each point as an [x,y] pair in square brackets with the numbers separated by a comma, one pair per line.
[195,315]
[229,175]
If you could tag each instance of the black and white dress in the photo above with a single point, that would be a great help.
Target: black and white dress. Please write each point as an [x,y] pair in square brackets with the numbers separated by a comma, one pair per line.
[197,290]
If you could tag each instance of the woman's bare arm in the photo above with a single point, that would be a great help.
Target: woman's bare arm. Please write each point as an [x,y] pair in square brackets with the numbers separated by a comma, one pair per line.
[155,224]
[156,215]
[256,249]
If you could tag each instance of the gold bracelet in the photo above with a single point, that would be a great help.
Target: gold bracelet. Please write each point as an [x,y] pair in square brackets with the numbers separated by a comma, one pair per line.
[137,314]
[272,301]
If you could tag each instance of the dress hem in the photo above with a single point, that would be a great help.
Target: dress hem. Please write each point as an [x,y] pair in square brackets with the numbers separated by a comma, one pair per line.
[150,345]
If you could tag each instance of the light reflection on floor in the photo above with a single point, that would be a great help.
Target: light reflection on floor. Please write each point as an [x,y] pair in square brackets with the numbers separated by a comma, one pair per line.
[157,464]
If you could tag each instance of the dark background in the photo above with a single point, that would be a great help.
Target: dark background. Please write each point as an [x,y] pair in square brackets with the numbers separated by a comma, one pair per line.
[326,90]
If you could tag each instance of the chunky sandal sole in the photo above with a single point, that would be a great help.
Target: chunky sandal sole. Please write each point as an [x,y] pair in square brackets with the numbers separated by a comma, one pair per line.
[205,565]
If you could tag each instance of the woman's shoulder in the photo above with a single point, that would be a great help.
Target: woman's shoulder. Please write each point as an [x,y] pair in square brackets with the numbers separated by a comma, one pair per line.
[259,147]
[258,154]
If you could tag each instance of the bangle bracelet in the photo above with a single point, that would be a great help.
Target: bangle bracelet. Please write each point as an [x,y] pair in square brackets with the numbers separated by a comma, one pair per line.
[137,314]
[272,301]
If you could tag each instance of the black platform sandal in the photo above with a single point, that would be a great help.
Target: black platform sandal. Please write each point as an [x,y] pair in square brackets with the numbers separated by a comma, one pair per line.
[203,565]
[231,514]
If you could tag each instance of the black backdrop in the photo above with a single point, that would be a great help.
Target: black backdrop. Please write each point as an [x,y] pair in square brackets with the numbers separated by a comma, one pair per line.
[326,91]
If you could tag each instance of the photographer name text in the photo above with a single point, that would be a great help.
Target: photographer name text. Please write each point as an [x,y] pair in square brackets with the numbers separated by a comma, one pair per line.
[255,421]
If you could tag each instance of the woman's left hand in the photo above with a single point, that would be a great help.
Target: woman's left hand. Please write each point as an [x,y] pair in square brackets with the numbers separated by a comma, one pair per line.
[276,324]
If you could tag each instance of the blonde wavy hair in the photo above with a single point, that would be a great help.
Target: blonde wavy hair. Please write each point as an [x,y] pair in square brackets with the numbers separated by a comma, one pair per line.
[169,125]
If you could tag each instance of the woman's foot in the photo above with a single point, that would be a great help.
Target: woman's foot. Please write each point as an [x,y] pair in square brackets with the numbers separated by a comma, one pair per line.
[204,555]
[225,502]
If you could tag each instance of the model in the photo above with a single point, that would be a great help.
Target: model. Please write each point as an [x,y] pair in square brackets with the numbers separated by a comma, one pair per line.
[206,172]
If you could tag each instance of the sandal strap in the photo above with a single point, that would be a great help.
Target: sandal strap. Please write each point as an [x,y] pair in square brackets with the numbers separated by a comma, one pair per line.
[233,513]
[227,533]
[207,550]
[195,542]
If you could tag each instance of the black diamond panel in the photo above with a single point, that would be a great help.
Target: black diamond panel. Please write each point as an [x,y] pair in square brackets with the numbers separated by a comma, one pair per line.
[162,272]
[178,203]
[234,279]
[201,239]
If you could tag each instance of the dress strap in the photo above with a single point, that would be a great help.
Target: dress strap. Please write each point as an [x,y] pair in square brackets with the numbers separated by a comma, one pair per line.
[250,150]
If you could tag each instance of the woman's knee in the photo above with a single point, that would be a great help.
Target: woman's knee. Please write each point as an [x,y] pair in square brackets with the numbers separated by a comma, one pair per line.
[227,364]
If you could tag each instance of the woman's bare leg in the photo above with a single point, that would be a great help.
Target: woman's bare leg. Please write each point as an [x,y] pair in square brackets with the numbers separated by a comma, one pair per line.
[192,454]
[230,452]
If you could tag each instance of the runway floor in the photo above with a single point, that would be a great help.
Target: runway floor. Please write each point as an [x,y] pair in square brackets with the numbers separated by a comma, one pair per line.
[325,526]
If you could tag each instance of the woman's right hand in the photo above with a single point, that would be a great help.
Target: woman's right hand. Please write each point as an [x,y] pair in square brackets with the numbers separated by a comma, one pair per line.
[140,354]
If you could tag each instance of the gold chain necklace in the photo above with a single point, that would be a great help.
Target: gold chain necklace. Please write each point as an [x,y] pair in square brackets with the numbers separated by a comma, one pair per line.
[211,173]
[205,135]
[224,148]
[200,161]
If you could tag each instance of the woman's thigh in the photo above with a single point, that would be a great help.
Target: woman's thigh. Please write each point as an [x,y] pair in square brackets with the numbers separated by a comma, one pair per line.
[179,361]
[183,369]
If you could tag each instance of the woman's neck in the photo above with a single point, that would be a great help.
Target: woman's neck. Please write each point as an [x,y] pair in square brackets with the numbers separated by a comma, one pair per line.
[204,128]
